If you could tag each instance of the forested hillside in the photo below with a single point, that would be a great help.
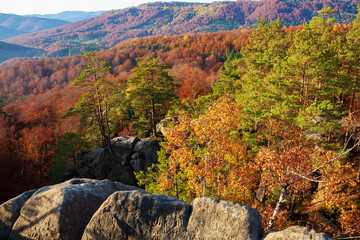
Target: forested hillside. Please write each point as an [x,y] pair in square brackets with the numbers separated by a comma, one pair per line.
[38,93]
[151,19]
[267,117]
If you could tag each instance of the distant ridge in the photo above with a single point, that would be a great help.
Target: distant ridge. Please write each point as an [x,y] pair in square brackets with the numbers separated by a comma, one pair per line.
[163,18]
[8,51]
[28,24]
[8,32]
[70,16]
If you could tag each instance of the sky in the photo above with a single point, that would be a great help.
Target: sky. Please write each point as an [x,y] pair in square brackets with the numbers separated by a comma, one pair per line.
[23,7]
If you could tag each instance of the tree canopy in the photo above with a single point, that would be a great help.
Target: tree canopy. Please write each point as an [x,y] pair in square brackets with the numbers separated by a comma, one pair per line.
[151,89]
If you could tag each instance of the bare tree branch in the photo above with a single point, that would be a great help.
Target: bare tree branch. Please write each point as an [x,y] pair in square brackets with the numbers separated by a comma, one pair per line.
[302,176]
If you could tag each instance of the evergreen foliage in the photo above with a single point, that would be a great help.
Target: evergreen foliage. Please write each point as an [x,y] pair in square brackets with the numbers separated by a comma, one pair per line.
[100,96]
[151,89]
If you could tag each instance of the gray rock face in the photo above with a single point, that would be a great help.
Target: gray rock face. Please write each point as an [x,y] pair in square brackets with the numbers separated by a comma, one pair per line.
[100,210]
[296,233]
[139,215]
[145,154]
[129,155]
[62,211]
[214,219]
[10,211]
[163,126]
[123,174]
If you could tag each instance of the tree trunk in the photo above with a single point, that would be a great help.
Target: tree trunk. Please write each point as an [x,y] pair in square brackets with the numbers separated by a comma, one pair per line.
[278,206]
[153,117]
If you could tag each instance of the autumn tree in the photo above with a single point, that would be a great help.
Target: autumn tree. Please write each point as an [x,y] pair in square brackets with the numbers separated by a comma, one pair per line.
[205,157]
[151,89]
[2,112]
[292,166]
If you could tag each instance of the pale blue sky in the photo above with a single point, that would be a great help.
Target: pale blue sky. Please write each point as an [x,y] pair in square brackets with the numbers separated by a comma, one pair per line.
[48,6]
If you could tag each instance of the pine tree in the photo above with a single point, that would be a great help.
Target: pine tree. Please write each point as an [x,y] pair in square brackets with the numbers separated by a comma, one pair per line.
[100,95]
[261,92]
[151,89]
[350,58]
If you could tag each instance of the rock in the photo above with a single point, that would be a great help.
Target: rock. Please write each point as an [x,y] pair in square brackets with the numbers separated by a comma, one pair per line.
[10,211]
[103,163]
[138,162]
[132,153]
[123,174]
[296,233]
[163,126]
[215,219]
[125,142]
[259,196]
[99,210]
[123,147]
[86,157]
[139,215]
[62,211]
[145,155]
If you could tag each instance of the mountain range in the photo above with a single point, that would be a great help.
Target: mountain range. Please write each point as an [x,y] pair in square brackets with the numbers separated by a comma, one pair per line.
[70,16]
[22,24]
[13,25]
[113,27]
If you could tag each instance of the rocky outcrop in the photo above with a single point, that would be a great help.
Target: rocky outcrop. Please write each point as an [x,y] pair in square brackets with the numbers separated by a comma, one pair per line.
[214,219]
[139,215]
[163,126]
[97,210]
[62,211]
[296,233]
[10,212]
[128,155]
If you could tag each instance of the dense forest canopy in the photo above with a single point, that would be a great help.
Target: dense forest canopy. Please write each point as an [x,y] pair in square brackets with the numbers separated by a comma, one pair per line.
[271,112]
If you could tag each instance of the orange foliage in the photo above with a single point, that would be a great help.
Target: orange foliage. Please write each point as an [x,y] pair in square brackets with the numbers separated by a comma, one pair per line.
[311,176]
[210,154]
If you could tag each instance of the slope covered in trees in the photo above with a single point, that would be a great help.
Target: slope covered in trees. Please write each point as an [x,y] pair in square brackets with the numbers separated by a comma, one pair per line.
[116,26]
[271,112]
[38,93]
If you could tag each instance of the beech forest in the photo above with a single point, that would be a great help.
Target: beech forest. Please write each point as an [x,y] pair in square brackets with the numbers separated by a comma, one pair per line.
[266,117]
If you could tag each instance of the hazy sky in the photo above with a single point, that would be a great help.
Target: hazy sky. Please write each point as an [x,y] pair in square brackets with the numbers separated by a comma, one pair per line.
[48,6]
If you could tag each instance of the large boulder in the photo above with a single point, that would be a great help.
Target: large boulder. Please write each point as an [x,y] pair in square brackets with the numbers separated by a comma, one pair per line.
[10,211]
[139,215]
[62,211]
[215,219]
[296,233]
